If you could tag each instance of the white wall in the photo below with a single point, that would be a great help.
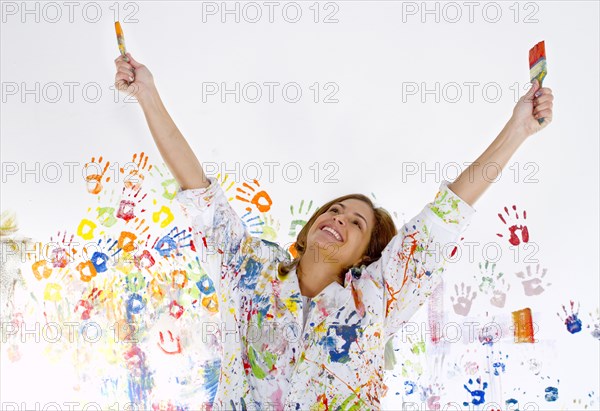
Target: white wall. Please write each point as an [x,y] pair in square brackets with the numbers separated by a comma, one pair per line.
[373,132]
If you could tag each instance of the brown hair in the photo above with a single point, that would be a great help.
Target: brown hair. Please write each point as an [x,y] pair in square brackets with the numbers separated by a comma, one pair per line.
[383,232]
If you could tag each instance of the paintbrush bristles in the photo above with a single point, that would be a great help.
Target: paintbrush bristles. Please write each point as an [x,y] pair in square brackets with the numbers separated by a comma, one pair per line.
[121,40]
[537,62]
[118,29]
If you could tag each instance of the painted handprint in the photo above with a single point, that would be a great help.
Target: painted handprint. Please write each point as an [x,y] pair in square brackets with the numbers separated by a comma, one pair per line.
[253,223]
[464,299]
[167,181]
[64,251]
[515,226]
[499,294]
[432,394]
[271,228]
[169,344]
[86,304]
[488,277]
[173,242]
[255,196]
[572,321]
[477,392]
[95,175]
[300,215]
[532,284]
[129,200]
[134,171]
[498,363]
[489,334]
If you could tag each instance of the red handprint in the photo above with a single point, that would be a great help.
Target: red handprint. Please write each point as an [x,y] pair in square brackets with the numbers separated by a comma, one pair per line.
[513,228]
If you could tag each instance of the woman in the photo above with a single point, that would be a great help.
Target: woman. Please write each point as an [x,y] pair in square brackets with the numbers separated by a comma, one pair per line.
[312,332]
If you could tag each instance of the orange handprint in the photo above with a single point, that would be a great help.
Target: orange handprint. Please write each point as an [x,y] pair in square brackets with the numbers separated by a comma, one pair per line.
[94,174]
[260,199]
[133,171]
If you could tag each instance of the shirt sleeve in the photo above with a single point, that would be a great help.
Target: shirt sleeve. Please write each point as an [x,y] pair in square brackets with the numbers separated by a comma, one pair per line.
[217,229]
[412,263]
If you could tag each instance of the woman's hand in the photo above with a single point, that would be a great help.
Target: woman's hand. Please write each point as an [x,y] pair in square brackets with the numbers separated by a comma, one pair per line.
[536,103]
[133,78]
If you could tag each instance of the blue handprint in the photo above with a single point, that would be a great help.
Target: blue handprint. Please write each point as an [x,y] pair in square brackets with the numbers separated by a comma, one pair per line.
[572,321]
[477,395]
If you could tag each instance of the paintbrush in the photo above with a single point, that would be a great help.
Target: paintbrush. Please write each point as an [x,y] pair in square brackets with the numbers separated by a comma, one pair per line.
[121,40]
[537,65]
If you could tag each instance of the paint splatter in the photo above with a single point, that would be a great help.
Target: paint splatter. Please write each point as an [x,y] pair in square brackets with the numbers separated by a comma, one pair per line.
[551,394]
[596,322]
[523,326]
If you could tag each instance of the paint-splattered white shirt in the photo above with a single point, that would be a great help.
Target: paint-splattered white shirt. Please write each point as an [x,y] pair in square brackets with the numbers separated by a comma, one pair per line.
[268,361]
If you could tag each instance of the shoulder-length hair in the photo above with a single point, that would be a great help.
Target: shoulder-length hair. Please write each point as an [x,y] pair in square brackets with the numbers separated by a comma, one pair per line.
[383,232]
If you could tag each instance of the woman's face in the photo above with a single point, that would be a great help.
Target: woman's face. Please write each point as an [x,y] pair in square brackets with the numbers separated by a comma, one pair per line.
[341,234]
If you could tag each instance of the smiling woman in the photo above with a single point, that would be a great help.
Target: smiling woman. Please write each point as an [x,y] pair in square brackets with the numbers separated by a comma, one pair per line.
[354,281]
[345,232]
[337,357]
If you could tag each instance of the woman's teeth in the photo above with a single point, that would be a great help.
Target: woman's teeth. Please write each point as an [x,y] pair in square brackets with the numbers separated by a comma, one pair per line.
[333,233]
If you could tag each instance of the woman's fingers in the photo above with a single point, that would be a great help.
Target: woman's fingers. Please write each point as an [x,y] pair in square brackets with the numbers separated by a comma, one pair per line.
[119,61]
[543,99]
[122,81]
[542,109]
[126,74]
[125,66]
[125,71]
[542,105]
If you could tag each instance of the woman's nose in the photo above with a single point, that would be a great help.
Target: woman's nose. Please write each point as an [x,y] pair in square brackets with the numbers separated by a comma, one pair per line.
[340,219]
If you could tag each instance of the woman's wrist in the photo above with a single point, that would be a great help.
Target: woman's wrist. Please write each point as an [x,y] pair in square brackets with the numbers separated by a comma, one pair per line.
[148,98]
[514,132]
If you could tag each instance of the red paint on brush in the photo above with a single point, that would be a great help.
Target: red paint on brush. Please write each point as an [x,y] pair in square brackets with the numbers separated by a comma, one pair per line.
[536,53]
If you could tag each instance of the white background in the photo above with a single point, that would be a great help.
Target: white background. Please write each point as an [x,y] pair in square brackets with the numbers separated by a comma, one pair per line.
[371,53]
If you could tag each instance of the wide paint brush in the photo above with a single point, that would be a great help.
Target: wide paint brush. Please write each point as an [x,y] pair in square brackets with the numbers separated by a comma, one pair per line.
[121,40]
[537,65]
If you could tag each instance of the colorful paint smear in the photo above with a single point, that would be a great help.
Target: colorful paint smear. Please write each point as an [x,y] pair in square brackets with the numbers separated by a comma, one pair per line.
[523,326]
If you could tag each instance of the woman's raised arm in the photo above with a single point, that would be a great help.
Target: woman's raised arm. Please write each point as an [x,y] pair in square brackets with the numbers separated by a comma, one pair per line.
[536,103]
[135,79]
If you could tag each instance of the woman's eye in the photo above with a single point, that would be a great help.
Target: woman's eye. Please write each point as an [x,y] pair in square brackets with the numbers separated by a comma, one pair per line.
[334,210]
[357,223]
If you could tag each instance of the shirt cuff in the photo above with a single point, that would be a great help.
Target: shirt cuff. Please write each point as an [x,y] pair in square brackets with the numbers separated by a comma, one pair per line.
[450,209]
[199,198]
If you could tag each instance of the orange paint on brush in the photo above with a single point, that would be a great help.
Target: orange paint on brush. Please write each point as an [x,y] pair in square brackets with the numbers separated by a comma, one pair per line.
[118,28]
[121,40]
[523,325]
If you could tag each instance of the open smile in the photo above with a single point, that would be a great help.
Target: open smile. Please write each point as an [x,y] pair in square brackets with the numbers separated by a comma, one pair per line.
[332,232]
